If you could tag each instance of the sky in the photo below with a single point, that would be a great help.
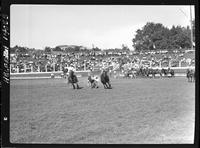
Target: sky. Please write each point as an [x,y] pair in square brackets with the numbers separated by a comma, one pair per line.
[104,26]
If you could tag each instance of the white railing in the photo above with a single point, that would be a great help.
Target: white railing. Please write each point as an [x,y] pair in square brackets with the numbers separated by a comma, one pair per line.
[27,73]
[188,67]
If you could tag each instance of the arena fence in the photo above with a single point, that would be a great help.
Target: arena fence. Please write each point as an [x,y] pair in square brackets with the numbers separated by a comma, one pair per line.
[179,71]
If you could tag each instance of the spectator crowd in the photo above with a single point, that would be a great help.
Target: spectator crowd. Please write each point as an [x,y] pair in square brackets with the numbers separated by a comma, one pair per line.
[96,60]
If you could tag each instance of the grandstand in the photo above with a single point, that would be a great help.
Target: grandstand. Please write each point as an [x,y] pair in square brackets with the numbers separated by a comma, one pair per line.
[55,62]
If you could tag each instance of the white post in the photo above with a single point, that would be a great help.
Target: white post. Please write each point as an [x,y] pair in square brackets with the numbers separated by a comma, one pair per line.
[169,63]
[84,66]
[17,69]
[179,64]
[160,64]
[60,67]
[24,67]
[54,67]
[140,63]
[46,68]
[31,67]
[38,68]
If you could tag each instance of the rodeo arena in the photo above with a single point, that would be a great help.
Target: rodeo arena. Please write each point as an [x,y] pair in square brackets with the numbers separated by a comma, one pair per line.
[103,97]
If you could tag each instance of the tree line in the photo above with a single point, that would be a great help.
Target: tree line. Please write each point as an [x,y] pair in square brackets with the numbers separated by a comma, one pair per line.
[155,36]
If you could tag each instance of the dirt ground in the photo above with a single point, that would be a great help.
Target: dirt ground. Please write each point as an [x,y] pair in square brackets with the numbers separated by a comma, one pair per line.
[135,111]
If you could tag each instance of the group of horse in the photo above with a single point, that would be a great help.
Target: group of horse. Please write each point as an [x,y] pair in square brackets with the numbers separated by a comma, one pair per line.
[148,73]
[105,80]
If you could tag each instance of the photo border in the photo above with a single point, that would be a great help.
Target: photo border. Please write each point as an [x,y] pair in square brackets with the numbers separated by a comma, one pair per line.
[5,60]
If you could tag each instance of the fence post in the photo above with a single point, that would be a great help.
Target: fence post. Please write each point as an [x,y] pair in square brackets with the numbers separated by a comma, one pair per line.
[54,67]
[150,64]
[84,66]
[46,68]
[17,69]
[160,64]
[24,67]
[31,67]
[60,67]
[38,68]
[179,63]
[169,63]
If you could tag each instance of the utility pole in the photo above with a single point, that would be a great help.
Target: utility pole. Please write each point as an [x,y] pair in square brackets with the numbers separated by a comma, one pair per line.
[191,28]
[191,33]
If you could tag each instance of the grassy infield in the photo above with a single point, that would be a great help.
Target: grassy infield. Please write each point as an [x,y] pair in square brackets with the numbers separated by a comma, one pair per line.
[134,111]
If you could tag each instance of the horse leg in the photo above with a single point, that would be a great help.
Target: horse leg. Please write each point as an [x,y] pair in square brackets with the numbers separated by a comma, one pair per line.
[73,86]
[106,85]
[77,86]
[93,85]
[109,85]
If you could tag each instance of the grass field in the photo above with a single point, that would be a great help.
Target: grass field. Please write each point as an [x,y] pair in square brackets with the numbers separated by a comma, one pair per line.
[135,111]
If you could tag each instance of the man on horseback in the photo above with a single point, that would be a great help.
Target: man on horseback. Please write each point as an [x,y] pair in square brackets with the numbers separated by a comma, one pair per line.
[190,74]
[72,78]
[170,72]
[164,72]
[105,80]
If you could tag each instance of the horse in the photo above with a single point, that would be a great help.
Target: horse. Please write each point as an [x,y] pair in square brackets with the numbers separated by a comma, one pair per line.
[157,73]
[150,73]
[171,71]
[105,80]
[72,78]
[190,74]
[163,72]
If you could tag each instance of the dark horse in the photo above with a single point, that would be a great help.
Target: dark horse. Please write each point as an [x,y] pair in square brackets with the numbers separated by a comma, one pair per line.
[166,72]
[171,71]
[105,80]
[72,78]
[190,75]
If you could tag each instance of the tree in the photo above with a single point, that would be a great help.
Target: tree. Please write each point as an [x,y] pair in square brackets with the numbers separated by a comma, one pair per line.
[156,36]
[47,49]
[57,49]
[180,37]
[96,49]
[125,48]
[147,36]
